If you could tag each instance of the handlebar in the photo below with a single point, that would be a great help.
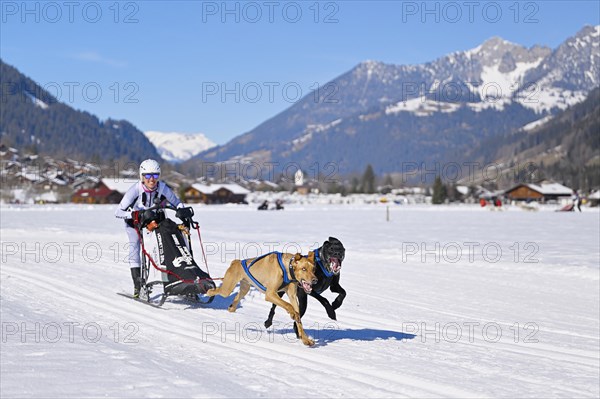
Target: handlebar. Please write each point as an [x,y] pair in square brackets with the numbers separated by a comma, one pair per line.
[185,214]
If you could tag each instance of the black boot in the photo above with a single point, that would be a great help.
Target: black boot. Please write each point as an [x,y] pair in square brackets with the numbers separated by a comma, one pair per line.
[136,277]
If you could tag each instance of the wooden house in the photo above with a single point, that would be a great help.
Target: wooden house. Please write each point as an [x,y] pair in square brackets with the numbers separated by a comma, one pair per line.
[543,192]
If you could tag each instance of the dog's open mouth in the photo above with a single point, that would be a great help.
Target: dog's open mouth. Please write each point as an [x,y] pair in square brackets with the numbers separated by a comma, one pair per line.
[336,265]
[306,286]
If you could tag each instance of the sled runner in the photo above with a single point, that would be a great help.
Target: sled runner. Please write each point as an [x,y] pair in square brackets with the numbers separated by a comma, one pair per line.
[145,302]
[181,275]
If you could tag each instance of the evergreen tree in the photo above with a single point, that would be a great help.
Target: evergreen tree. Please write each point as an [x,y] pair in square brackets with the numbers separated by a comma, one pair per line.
[388,180]
[368,180]
[439,191]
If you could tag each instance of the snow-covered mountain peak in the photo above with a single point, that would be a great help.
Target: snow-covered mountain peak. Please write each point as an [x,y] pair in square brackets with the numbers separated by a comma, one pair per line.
[588,36]
[493,88]
[179,147]
[504,54]
[496,42]
[371,68]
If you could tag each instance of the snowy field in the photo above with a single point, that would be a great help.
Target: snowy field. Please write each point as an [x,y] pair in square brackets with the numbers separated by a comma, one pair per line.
[442,302]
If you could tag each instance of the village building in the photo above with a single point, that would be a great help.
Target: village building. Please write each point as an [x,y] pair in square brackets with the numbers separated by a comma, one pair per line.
[226,193]
[542,192]
[107,191]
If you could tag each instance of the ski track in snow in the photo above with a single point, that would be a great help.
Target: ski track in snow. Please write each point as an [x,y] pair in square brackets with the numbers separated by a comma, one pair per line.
[385,343]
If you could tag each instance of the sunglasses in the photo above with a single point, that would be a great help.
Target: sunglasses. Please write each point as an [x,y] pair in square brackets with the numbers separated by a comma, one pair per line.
[147,176]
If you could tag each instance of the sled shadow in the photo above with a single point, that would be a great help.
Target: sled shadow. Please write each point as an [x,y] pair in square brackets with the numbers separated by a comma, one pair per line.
[218,303]
[332,333]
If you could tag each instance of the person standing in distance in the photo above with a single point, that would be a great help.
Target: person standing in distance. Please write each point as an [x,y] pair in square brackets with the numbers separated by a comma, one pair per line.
[141,196]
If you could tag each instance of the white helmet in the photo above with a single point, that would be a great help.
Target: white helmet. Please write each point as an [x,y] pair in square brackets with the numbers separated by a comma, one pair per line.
[149,166]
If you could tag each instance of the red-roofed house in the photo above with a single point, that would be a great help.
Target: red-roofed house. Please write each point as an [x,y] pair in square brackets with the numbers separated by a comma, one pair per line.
[98,195]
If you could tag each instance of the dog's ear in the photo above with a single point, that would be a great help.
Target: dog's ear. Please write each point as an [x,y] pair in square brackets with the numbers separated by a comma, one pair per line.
[336,242]
[326,244]
[311,257]
[297,257]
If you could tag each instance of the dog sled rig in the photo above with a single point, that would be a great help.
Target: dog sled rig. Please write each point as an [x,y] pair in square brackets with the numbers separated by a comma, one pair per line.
[181,275]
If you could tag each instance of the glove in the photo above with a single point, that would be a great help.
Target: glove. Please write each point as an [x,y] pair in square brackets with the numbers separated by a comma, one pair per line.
[184,213]
[135,216]
[146,217]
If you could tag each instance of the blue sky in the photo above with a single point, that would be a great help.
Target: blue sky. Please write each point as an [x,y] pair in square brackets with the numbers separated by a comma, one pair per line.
[222,68]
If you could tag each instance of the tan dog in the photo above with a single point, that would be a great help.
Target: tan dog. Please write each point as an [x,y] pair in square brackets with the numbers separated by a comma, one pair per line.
[268,276]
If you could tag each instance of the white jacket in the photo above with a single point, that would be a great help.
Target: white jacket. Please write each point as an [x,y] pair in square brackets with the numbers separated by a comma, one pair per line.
[137,198]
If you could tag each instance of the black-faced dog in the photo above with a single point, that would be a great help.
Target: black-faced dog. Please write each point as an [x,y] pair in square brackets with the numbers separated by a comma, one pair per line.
[328,263]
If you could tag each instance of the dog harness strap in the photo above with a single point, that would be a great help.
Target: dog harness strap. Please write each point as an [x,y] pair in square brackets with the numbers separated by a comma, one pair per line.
[320,263]
[247,270]
[291,270]
[286,279]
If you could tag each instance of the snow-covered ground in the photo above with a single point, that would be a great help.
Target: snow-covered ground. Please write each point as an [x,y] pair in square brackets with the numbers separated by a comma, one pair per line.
[442,302]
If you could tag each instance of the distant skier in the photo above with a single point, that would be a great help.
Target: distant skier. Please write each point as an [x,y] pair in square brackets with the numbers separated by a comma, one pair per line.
[576,201]
[279,205]
[264,206]
[141,196]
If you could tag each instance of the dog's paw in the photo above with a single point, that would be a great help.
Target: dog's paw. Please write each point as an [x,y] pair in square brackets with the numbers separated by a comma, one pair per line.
[232,308]
[331,313]
[268,323]
[308,342]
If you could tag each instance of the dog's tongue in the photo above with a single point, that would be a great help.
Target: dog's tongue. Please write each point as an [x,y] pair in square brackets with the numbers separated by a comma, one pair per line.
[335,265]
[306,286]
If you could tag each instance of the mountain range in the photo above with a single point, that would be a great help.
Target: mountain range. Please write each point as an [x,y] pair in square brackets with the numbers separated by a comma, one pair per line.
[565,147]
[34,120]
[178,147]
[389,115]
[461,107]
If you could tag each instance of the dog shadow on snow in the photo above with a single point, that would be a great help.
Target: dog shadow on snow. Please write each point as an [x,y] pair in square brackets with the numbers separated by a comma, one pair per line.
[331,333]
[326,335]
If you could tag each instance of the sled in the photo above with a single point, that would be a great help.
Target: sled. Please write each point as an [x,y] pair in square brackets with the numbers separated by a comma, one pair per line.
[567,208]
[181,275]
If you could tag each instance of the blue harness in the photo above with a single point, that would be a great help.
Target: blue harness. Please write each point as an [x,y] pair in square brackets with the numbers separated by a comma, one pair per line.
[286,278]
[321,265]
